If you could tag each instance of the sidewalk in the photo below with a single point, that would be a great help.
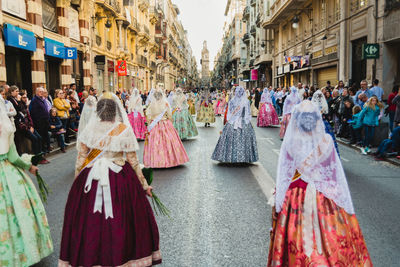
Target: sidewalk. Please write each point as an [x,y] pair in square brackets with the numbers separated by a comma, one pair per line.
[342,141]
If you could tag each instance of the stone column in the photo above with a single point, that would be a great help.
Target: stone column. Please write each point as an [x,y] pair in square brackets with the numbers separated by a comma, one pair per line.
[84,18]
[34,16]
[120,41]
[343,75]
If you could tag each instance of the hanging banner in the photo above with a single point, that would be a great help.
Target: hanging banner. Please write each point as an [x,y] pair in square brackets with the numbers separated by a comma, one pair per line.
[121,68]
[254,74]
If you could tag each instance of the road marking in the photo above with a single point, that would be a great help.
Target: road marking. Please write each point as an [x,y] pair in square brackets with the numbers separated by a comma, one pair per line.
[268,139]
[264,179]
[345,160]
[276,151]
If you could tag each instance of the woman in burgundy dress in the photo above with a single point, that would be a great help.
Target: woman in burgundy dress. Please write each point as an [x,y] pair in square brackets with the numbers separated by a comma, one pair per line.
[108,220]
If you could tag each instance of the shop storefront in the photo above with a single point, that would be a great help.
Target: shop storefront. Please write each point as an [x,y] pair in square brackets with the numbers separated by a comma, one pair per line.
[55,53]
[19,45]
[326,74]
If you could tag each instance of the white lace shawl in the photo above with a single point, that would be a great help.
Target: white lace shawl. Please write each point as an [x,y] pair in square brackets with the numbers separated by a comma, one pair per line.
[239,109]
[314,156]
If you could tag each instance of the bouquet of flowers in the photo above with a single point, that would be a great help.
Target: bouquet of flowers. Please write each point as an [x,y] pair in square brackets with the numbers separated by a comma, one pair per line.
[43,187]
[158,206]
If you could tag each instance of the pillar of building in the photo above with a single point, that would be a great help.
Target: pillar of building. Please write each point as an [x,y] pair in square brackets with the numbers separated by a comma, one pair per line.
[34,16]
[63,29]
[84,19]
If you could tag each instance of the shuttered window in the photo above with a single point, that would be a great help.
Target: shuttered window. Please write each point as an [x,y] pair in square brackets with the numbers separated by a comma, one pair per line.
[328,74]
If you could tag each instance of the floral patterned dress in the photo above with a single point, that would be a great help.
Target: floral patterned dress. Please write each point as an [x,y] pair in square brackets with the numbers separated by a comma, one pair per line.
[24,231]
[206,112]
[184,123]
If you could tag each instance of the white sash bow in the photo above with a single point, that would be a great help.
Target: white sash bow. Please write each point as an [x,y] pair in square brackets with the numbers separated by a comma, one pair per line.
[100,172]
[156,120]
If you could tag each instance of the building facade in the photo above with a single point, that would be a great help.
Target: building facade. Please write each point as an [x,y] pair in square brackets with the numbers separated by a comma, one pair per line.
[315,41]
[54,43]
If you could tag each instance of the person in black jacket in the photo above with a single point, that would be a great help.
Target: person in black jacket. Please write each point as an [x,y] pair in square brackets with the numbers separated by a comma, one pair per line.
[40,117]
[345,116]
[257,97]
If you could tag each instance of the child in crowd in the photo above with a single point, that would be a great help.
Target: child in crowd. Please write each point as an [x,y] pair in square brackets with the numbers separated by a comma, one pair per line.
[356,126]
[370,116]
[57,129]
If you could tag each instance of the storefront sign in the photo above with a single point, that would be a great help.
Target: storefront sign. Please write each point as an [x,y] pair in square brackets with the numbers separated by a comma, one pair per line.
[317,54]
[121,68]
[370,51]
[20,38]
[71,53]
[254,74]
[54,48]
[286,68]
[280,70]
[110,65]
[330,50]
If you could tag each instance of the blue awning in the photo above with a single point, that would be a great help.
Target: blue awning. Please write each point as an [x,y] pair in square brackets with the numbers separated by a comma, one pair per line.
[53,48]
[19,38]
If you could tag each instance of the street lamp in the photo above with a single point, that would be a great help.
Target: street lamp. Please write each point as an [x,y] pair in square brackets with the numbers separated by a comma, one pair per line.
[295,22]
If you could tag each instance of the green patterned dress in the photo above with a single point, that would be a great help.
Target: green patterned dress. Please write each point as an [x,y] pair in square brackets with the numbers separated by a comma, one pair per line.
[24,232]
[184,123]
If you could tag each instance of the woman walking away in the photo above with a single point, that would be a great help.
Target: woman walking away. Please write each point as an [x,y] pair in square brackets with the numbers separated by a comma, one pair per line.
[163,148]
[206,110]
[108,220]
[182,120]
[136,115]
[267,115]
[237,143]
[290,101]
[370,116]
[313,220]
[24,231]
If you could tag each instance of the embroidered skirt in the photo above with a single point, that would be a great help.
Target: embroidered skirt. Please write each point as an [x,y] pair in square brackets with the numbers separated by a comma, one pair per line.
[236,145]
[131,238]
[24,231]
[138,125]
[342,240]
[267,116]
[184,124]
[164,148]
[206,114]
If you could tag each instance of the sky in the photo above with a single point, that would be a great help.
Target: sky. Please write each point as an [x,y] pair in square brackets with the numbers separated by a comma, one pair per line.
[203,20]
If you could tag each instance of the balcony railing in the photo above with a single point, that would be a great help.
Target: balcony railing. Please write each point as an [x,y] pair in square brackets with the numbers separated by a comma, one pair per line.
[114,4]
[253,2]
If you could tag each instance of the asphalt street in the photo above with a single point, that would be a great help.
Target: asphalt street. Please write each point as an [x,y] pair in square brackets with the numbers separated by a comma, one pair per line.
[220,215]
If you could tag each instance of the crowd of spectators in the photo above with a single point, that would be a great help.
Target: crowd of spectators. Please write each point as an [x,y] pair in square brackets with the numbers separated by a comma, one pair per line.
[354,112]
[45,117]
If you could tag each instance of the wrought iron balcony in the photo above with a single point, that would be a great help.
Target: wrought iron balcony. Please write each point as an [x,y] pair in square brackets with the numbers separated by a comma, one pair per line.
[253,2]
[392,4]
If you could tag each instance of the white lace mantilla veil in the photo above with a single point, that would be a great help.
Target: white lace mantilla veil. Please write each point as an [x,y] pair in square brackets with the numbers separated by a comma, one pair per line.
[318,99]
[6,129]
[88,111]
[266,96]
[96,133]
[158,104]
[291,100]
[239,104]
[179,100]
[135,102]
[150,97]
[309,150]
